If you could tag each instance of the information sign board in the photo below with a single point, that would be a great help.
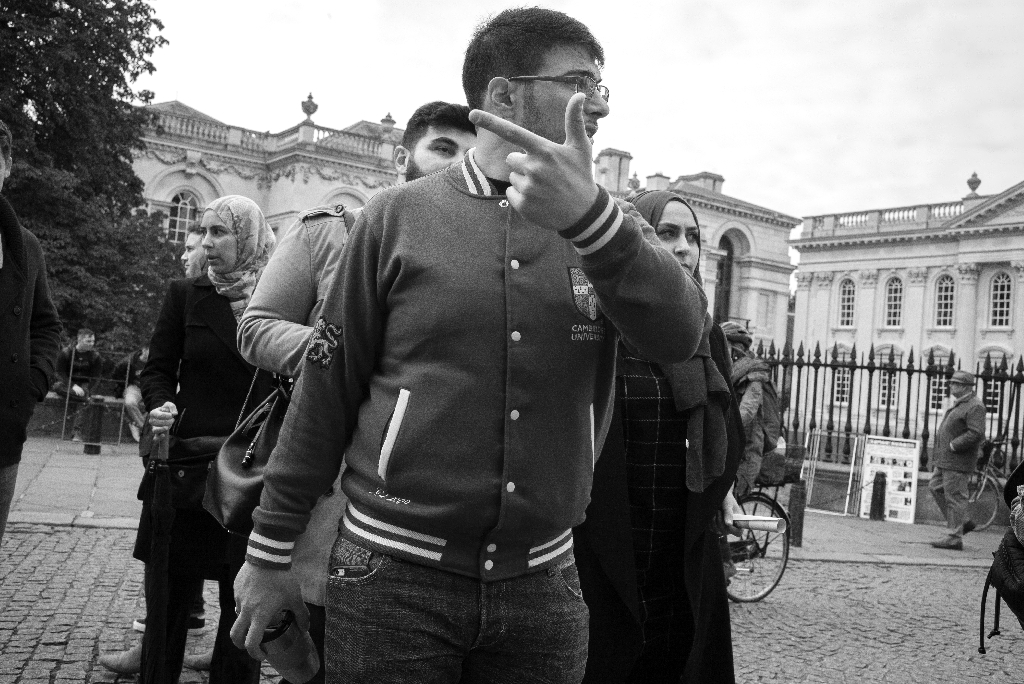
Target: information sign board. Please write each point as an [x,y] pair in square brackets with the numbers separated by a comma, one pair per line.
[898,459]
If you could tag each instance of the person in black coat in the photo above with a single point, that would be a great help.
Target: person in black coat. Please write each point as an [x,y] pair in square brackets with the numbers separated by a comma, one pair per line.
[648,552]
[196,382]
[29,334]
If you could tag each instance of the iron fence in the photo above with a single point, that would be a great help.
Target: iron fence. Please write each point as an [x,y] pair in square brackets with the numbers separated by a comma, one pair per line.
[845,394]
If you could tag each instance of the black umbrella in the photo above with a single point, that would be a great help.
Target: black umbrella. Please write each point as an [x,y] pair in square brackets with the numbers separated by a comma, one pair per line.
[161,513]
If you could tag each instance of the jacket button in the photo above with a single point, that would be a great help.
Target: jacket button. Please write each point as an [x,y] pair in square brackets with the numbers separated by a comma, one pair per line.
[516,336]
[491,548]
[17,309]
[514,415]
[503,204]
[510,487]
[515,264]
[14,358]
[488,565]
[14,403]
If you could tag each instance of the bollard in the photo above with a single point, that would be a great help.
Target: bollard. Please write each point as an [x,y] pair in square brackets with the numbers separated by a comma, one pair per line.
[797,503]
[92,426]
[878,497]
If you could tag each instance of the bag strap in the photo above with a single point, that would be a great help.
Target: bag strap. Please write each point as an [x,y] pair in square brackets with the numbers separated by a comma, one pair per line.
[248,398]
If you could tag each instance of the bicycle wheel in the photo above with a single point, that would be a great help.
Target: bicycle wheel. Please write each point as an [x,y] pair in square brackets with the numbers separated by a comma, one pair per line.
[759,557]
[983,494]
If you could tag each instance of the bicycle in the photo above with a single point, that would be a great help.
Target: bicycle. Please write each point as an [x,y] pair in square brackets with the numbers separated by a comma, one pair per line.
[985,486]
[759,557]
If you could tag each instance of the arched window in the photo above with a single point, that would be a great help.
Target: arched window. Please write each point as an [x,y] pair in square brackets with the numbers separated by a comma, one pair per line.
[723,287]
[944,293]
[999,300]
[894,303]
[841,376]
[183,215]
[847,302]
[939,382]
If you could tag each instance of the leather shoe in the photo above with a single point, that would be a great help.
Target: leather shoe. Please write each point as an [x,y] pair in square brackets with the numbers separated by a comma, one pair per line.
[951,543]
[199,661]
[969,526]
[127,662]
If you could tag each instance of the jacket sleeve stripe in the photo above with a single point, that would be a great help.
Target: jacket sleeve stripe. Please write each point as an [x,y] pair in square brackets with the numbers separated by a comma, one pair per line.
[605,237]
[270,558]
[260,540]
[597,227]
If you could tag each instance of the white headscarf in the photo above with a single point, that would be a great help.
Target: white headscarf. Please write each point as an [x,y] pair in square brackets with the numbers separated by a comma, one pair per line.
[255,242]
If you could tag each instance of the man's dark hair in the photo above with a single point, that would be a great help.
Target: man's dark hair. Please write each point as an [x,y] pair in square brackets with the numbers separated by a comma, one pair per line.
[6,141]
[437,114]
[516,42]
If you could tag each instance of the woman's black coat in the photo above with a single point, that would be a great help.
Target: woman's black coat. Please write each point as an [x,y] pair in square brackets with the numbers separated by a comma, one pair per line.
[603,546]
[194,362]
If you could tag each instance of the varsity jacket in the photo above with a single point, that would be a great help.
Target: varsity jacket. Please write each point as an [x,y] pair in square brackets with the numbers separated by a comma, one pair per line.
[466,359]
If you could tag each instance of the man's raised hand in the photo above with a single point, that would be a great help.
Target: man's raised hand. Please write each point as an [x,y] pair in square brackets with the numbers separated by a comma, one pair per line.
[552,185]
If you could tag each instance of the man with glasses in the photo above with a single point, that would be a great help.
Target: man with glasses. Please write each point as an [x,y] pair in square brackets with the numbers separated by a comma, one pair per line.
[464,361]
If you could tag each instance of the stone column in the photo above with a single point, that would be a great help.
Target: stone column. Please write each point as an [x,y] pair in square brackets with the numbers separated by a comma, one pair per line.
[971,314]
[823,315]
[915,308]
[802,324]
[864,314]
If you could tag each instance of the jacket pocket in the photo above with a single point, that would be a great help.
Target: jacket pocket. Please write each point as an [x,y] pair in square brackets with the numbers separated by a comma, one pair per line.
[391,431]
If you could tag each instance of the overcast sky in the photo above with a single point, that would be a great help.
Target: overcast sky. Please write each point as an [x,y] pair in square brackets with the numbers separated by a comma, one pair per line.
[804,107]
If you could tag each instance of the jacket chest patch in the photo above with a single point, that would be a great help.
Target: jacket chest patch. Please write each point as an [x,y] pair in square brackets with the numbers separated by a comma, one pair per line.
[583,294]
[323,343]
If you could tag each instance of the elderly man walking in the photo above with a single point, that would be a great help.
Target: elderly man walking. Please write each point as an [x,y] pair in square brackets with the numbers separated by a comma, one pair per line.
[956,453]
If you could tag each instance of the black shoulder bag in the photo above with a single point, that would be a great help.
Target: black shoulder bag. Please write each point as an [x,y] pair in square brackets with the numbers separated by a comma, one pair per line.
[236,477]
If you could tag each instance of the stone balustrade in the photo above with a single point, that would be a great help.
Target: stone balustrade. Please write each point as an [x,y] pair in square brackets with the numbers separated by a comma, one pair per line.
[881,220]
[254,142]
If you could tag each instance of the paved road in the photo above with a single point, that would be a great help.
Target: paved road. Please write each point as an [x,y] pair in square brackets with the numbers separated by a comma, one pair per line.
[856,622]
[68,594]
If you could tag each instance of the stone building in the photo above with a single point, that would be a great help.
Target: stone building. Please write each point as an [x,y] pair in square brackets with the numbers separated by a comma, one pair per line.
[746,267]
[933,278]
[191,159]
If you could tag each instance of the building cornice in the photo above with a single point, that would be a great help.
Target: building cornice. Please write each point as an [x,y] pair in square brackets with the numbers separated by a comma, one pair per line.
[724,207]
[832,242]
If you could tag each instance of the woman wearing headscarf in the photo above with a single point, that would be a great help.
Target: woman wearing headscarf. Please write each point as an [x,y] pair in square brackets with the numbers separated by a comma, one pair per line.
[195,384]
[648,553]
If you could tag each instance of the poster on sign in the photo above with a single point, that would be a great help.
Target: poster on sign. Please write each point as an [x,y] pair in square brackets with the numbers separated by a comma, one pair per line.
[898,459]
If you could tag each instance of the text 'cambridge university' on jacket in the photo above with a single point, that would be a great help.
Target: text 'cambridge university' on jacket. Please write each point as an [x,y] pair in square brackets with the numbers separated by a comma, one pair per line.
[29,333]
[467,359]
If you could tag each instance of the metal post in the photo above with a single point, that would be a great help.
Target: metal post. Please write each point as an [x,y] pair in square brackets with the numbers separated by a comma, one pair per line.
[797,504]
[878,497]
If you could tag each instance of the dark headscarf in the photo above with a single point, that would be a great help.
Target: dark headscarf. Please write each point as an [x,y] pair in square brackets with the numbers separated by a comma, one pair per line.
[698,387]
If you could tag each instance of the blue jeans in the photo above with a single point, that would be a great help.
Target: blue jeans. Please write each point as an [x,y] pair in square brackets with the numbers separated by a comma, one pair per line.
[403,622]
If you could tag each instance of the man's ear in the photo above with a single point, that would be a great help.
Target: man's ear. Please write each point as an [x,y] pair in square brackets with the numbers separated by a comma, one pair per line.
[401,159]
[498,98]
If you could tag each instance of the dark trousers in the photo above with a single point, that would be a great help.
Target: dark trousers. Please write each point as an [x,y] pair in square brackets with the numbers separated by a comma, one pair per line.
[230,665]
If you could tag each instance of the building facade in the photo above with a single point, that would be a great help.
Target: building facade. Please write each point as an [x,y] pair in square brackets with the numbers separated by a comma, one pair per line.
[934,279]
[190,159]
[745,267]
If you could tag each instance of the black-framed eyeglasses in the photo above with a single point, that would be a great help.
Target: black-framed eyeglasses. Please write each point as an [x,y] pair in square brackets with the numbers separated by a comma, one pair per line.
[584,84]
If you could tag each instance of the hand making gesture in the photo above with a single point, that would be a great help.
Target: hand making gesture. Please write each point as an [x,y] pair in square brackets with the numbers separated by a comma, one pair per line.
[552,185]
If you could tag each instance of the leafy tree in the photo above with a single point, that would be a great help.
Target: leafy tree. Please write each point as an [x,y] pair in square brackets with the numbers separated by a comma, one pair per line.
[67,74]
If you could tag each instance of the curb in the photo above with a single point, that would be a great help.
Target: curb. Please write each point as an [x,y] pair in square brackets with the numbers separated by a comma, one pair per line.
[870,559]
[69,520]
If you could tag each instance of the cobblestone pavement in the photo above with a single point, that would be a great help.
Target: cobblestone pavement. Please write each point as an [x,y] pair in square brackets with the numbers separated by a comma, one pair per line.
[68,594]
[857,622]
